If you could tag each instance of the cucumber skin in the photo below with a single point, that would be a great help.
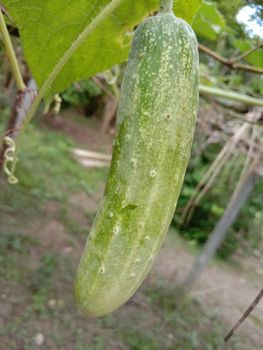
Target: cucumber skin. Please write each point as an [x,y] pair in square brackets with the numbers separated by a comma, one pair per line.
[155,127]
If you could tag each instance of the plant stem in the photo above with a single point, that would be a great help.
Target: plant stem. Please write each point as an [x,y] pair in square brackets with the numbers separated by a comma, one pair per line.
[10,125]
[245,315]
[106,11]
[247,53]
[166,6]
[11,54]
[231,63]
[230,95]
[241,193]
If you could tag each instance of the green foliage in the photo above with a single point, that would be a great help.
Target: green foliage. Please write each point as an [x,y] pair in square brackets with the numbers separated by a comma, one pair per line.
[45,160]
[209,22]
[13,242]
[255,58]
[188,315]
[186,9]
[13,246]
[246,232]
[139,341]
[230,10]
[81,93]
[56,26]
[43,275]
[42,280]
[258,6]
[38,303]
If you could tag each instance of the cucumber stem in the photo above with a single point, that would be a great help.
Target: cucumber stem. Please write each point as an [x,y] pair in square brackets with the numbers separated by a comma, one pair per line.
[166,6]
[10,52]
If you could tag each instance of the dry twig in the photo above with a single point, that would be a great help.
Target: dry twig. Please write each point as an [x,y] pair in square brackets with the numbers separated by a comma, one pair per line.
[245,315]
[231,63]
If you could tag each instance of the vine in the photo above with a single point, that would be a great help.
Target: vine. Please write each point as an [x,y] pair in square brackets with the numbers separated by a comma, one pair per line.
[9,158]
[231,95]
[166,5]
[105,12]
[11,54]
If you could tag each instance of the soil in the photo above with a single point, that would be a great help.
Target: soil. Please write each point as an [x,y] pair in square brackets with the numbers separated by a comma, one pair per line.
[220,287]
[89,136]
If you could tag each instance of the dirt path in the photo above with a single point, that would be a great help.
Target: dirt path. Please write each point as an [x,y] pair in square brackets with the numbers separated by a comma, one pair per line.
[227,290]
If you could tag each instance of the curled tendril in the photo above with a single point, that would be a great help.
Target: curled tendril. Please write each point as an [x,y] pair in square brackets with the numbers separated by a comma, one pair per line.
[9,158]
[112,75]
[58,101]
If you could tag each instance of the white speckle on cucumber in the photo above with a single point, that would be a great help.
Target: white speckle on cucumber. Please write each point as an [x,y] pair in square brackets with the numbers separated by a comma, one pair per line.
[91,235]
[102,270]
[153,173]
[116,231]
[134,162]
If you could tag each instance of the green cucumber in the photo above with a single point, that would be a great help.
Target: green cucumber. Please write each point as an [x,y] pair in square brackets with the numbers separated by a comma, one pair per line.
[155,126]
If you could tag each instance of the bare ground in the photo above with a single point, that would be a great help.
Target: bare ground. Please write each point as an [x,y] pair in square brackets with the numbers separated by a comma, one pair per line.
[226,289]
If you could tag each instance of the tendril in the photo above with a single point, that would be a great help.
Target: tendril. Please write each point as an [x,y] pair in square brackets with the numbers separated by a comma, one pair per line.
[9,158]
[58,101]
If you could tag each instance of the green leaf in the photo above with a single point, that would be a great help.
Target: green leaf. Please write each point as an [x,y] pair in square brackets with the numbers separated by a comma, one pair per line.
[209,22]
[49,27]
[187,9]
[255,58]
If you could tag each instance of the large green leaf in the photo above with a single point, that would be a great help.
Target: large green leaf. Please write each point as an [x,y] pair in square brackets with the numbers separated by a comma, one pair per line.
[255,58]
[209,22]
[186,9]
[48,28]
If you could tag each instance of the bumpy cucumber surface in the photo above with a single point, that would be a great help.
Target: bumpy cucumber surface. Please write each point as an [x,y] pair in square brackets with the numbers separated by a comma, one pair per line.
[155,126]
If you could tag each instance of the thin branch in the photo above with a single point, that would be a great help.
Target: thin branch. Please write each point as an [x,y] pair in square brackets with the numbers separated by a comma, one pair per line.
[231,95]
[247,53]
[228,62]
[241,193]
[214,54]
[11,54]
[103,88]
[234,115]
[207,180]
[245,315]
[247,68]
[6,13]
[249,155]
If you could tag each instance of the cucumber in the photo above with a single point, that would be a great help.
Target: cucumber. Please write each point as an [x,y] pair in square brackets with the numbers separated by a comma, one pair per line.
[155,125]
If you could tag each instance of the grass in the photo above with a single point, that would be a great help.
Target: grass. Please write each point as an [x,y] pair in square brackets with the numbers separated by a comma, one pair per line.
[36,279]
[46,172]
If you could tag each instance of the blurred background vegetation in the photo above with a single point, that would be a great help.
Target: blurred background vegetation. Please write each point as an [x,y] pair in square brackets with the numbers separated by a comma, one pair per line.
[45,218]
